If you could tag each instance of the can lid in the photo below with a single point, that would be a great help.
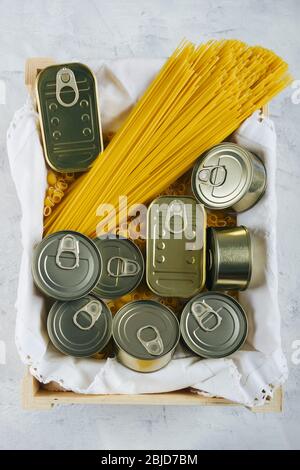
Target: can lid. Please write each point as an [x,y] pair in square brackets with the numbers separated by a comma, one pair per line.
[81,327]
[66,265]
[222,175]
[213,325]
[122,267]
[146,329]
[176,225]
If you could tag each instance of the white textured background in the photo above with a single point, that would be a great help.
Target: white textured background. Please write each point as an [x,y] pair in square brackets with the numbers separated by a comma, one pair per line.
[90,30]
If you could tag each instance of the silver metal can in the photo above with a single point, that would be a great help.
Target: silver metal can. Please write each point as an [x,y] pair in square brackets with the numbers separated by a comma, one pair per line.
[122,267]
[146,334]
[228,176]
[66,265]
[80,328]
[213,325]
[229,258]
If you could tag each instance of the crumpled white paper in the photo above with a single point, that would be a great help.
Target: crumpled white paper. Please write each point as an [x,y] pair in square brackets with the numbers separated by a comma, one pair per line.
[249,375]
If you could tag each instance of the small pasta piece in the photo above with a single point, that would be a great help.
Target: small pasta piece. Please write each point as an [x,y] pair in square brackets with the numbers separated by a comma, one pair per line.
[61,185]
[48,202]
[51,178]
[47,211]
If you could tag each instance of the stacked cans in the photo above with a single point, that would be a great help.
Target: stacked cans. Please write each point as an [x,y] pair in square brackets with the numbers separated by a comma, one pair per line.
[231,179]
[79,273]
[182,256]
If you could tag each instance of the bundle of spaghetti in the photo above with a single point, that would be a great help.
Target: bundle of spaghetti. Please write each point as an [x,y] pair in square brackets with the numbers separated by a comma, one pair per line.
[199,97]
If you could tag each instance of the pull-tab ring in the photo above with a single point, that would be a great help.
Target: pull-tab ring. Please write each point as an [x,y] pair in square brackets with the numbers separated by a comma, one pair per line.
[125,267]
[93,309]
[65,78]
[176,209]
[68,244]
[203,313]
[154,346]
[206,175]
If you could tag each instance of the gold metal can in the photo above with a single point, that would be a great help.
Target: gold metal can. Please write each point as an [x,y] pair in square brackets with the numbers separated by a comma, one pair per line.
[229,258]
[146,334]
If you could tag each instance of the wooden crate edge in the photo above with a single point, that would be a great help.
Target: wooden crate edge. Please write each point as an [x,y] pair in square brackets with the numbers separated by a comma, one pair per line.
[34,397]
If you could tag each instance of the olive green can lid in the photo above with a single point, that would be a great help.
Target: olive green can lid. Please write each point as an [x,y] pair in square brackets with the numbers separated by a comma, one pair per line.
[222,175]
[213,325]
[70,121]
[66,265]
[145,329]
[122,267]
[81,327]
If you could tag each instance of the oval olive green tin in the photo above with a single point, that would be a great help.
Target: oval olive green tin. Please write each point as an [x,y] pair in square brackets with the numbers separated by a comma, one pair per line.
[213,325]
[66,265]
[80,328]
[122,267]
[146,334]
[229,258]
[228,176]
[176,238]
[67,101]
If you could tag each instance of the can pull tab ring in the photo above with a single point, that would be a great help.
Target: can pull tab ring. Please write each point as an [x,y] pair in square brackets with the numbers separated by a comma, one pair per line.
[154,346]
[214,176]
[65,78]
[125,267]
[93,309]
[68,244]
[176,210]
[203,313]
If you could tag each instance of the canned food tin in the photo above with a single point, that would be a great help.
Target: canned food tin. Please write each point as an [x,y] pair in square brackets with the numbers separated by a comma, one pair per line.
[213,325]
[69,117]
[229,258]
[122,267]
[146,334]
[66,265]
[176,234]
[228,176]
[80,328]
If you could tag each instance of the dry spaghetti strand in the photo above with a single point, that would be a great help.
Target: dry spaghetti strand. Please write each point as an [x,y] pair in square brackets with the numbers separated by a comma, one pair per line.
[199,97]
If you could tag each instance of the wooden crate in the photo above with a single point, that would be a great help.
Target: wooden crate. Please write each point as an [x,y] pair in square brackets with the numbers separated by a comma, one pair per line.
[35,397]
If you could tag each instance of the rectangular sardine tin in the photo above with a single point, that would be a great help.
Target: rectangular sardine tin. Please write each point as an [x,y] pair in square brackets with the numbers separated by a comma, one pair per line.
[69,116]
[176,239]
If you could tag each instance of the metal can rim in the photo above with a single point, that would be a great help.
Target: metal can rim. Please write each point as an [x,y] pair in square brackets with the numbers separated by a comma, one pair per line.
[164,307]
[57,344]
[37,279]
[211,279]
[230,204]
[138,280]
[217,356]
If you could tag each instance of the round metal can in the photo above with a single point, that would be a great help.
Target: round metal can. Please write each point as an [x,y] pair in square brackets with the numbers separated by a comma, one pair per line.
[213,325]
[229,255]
[146,334]
[66,265]
[80,328]
[228,176]
[122,267]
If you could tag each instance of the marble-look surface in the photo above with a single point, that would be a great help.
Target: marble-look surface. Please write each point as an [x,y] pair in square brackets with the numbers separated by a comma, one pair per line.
[114,28]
